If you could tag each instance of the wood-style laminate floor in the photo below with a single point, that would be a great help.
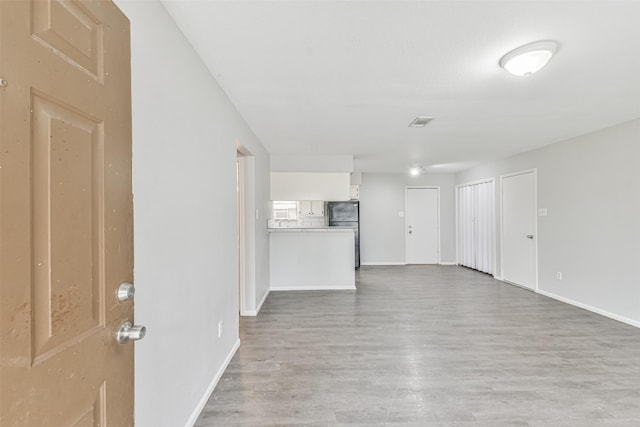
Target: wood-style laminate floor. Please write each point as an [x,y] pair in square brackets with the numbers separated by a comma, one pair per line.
[428,346]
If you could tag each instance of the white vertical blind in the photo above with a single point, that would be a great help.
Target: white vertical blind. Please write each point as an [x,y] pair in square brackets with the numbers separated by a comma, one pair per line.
[476,226]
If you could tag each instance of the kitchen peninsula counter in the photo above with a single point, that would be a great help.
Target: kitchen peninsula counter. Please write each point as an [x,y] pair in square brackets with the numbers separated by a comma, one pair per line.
[311,258]
[311,229]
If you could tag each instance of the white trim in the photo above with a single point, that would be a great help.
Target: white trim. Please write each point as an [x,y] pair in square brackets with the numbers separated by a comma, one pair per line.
[241,238]
[498,278]
[383,263]
[480,181]
[519,286]
[497,218]
[448,263]
[500,232]
[536,236]
[456,196]
[257,310]
[599,311]
[207,394]
[264,298]
[314,288]
[535,222]
[522,172]
[406,217]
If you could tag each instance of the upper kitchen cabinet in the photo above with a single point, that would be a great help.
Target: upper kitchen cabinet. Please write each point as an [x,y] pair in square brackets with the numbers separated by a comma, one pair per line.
[310,186]
[311,208]
[355,192]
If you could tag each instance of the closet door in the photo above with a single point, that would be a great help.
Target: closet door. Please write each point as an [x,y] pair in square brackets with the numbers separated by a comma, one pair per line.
[476,226]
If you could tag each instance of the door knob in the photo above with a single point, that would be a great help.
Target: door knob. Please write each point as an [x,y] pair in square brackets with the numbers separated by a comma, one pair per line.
[126,291]
[410,232]
[130,332]
[529,236]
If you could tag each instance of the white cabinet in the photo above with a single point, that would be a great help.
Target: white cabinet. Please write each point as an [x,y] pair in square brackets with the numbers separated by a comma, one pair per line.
[311,208]
[309,186]
[355,192]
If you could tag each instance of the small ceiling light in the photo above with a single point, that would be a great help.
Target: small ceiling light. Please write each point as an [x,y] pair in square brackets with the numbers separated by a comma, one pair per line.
[417,170]
[529,58]
[420,122]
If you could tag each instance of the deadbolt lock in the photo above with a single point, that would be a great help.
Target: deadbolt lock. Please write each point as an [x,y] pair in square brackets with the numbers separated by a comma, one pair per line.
[126,291]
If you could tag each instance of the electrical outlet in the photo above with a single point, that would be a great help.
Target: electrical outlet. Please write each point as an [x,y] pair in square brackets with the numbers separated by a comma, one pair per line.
[559,275]
[220,323]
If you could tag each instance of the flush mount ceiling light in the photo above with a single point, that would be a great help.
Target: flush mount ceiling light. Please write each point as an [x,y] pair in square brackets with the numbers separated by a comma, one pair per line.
[420,122]
[417,170]
[529,58]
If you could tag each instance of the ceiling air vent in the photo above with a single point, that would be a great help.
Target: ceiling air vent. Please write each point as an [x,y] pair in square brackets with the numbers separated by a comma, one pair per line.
[420,122]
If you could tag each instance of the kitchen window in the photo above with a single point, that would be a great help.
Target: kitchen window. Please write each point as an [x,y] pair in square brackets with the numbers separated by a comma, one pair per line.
[285,210]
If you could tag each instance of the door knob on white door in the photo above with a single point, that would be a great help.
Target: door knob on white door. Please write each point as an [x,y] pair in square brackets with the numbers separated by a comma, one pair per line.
[130,332]
[529,236]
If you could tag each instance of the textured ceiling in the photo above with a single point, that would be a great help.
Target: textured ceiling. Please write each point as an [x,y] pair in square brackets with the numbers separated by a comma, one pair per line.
[347,77]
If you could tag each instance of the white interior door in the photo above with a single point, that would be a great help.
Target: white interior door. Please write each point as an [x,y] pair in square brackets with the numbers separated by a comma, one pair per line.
[423,241]
[518,229]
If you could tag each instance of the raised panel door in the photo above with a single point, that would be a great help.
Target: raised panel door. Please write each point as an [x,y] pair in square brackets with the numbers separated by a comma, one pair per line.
[65,214]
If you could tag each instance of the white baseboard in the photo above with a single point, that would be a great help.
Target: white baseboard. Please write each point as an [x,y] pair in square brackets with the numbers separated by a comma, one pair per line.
[314,288]
[383,263]
[257,310]
[207,394]
[448,263]
[590,308]
[264,298]
[498,278]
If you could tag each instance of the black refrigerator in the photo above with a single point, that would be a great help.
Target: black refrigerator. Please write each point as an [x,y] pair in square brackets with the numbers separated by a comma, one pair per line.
[346,214]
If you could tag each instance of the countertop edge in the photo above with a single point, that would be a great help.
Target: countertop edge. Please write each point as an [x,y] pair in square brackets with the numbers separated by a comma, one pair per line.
[311,230]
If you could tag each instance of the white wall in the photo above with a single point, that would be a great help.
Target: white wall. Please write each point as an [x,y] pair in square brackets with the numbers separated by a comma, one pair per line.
[382,230]
[590,186]
[184,147]
[311,163]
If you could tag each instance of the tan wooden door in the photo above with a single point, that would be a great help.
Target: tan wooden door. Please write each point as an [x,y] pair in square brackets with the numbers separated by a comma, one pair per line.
[65,214]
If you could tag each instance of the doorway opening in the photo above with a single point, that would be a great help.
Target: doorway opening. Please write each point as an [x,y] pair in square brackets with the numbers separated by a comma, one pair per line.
[245,178]
[240,247]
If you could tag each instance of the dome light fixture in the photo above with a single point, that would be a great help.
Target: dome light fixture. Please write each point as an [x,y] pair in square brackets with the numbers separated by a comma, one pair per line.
[417,170]
[529,58]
